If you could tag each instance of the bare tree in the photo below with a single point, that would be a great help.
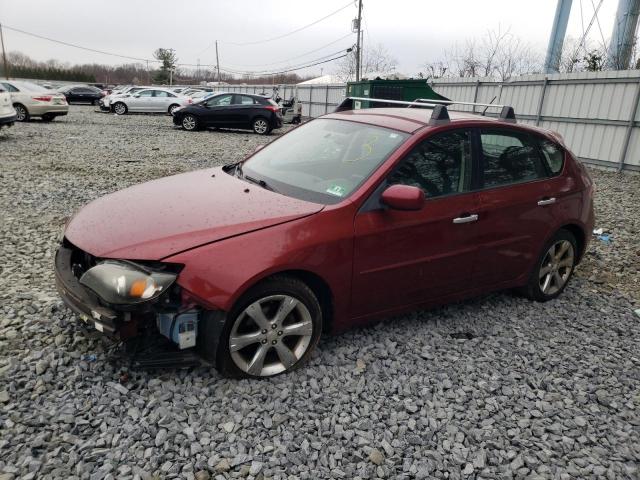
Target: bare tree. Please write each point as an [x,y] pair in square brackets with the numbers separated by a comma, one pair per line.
[376,60]
[498,54]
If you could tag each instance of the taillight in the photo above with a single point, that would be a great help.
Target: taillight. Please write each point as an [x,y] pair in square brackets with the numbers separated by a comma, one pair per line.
[273,108]
[43,98]
[189,100]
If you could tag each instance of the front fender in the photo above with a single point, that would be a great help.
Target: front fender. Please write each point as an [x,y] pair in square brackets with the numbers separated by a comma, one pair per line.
[219,273]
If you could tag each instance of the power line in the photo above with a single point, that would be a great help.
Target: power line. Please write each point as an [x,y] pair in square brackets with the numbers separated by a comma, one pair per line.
[290,33]
[78,46]
[308,64]
[291,69]
[298,56]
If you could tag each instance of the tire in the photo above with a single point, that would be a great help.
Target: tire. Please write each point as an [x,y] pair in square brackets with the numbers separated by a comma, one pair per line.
[267,338]
[189,123]
[96,103]
[553,269]
[23,113]
[260,125]
[48,117]
[172,108]
[120,108]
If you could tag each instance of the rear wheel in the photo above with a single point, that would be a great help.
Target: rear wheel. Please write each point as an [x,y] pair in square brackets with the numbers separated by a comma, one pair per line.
[23,113]
[272,329]
[554,268]
[172,108]
[96,102]
[190,123]
[120,108]
[48,117]
[261,126]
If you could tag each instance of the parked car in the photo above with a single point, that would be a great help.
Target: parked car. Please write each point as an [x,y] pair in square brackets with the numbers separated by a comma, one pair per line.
[353,216]
[149,100]
[105,102]
[231,110]
[82,94]
[8,114]
[32,100]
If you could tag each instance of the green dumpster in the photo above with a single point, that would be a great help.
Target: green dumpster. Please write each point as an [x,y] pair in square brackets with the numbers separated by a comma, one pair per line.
[405,90]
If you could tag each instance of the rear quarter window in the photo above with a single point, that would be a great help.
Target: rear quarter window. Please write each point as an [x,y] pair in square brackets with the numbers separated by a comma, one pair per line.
[553,156]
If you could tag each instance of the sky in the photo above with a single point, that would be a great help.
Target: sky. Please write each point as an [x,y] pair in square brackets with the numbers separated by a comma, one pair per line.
[413,31]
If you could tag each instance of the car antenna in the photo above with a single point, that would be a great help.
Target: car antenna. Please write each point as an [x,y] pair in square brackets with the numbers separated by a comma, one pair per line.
[485,108]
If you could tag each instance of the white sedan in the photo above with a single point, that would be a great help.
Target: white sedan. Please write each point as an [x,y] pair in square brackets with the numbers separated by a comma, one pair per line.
[150,100]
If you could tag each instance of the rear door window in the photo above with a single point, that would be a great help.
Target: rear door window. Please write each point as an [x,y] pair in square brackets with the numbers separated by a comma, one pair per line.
[160,93]
[244,100]
[508,157]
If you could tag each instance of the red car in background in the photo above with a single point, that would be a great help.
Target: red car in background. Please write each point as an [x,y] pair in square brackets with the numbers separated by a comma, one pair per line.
[353,216]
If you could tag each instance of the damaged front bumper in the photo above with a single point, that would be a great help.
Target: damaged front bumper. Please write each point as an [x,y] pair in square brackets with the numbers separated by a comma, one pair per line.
[83,302]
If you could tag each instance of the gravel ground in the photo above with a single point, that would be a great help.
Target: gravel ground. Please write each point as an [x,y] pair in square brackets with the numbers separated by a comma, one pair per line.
[496,387]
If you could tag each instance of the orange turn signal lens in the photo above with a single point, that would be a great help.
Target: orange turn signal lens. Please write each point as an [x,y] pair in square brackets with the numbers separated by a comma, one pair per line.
[137,288]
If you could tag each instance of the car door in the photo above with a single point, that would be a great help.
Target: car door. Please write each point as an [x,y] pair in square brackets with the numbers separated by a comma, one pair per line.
[141,101]
[244,110]
[404,258]
[216,111]
[518,204]
[161,101]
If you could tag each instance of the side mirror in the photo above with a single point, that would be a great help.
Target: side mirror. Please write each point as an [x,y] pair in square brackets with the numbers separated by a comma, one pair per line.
[403,197]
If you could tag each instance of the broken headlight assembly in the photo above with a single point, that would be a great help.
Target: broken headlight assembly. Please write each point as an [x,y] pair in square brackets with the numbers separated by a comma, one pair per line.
[120,282]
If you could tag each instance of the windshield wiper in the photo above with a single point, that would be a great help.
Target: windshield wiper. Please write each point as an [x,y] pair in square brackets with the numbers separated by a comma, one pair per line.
[262,183]
[240,174]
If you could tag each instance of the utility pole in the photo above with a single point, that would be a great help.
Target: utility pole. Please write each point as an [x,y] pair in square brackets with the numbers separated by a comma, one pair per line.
[358,42]
[558,31]
[148,76]
[4,55]
[217,62]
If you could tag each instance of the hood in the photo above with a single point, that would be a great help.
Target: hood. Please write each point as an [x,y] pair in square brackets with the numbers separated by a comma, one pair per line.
[163,217]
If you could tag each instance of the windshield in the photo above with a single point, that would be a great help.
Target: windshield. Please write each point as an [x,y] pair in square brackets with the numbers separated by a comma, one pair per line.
[323,161]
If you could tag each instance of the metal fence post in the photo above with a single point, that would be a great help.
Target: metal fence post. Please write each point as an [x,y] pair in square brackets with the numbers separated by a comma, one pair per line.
[545,82]
[310,100]
[326,101]
[627,136]
[475,95]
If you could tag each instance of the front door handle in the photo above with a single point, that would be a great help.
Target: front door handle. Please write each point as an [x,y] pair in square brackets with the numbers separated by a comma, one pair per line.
[547,201]
[466,219]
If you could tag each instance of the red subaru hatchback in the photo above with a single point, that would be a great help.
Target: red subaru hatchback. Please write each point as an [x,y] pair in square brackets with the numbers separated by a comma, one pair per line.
[353,216]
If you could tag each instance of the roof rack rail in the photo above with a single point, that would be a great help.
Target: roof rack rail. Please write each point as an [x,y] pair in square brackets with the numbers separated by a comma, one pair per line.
[440,113]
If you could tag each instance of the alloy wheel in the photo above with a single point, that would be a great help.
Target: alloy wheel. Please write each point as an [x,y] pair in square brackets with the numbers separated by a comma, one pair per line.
[271,335]
[189,122]
[556,267]
[22,113]
[260,126]
[120,109]
[172,109]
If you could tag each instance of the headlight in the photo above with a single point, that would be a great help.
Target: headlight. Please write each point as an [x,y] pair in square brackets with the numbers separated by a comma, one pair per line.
[126,282]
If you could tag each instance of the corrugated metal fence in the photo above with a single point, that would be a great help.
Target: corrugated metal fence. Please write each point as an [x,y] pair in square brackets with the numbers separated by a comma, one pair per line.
[596,112]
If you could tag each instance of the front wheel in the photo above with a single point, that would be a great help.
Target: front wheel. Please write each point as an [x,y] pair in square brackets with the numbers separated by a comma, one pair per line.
[272,329]
[120,108]
[190,123]
[261,126]
[554,268]
[22,113]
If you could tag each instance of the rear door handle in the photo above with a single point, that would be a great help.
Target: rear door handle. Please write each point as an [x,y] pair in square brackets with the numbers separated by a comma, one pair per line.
[466,219]
[546,201]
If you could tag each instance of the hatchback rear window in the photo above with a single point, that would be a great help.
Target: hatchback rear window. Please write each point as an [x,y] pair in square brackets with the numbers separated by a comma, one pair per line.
[509,157]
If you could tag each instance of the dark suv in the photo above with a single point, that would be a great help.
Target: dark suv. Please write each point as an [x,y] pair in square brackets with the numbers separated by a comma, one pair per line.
[231,110]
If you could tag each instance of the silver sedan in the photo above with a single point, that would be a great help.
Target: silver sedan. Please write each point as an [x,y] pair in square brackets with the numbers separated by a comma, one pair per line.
[150,100]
